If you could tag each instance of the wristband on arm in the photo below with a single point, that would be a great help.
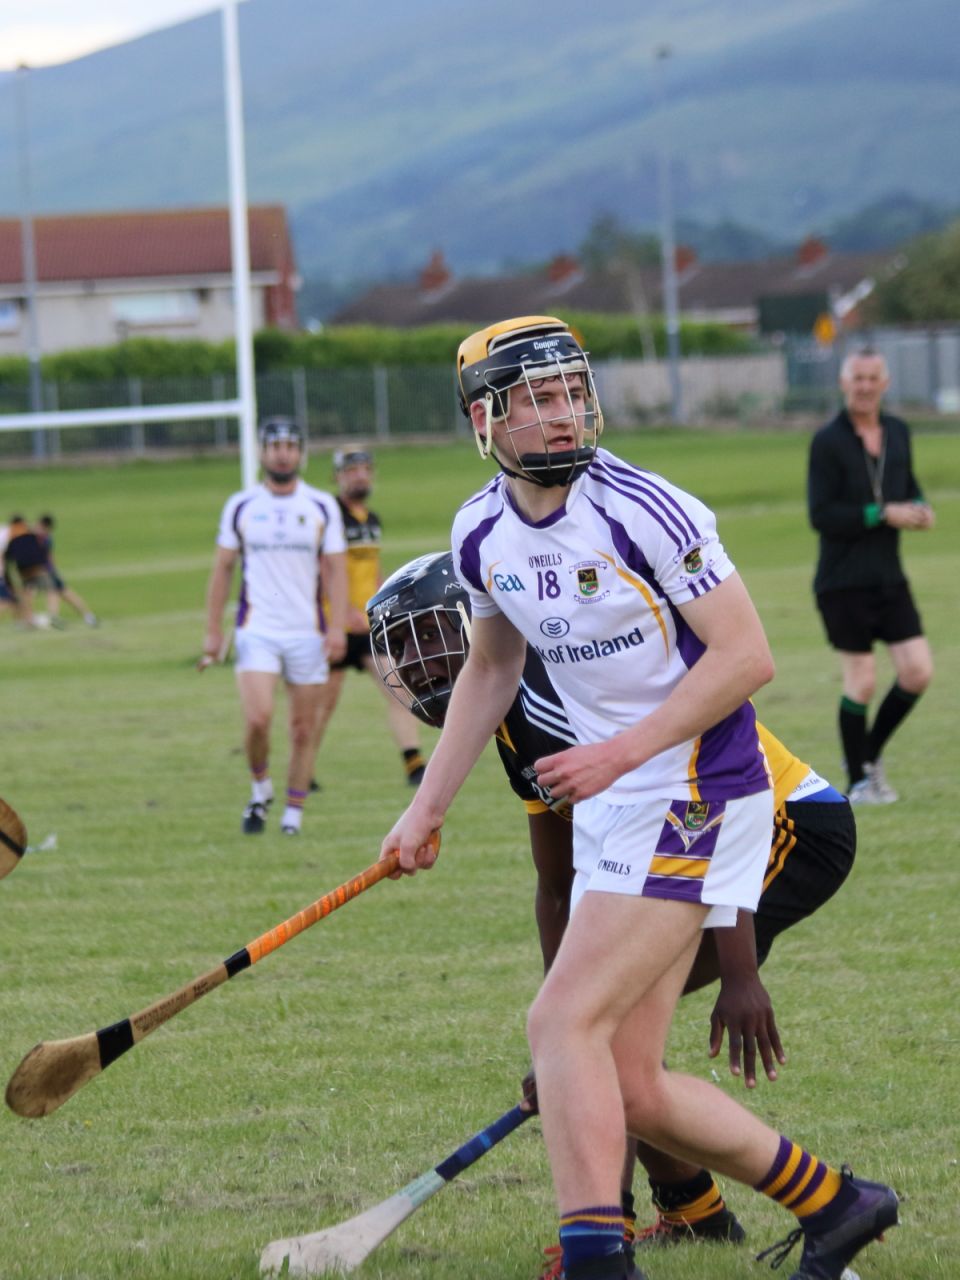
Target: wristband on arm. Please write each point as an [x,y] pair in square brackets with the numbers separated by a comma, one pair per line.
[872,515]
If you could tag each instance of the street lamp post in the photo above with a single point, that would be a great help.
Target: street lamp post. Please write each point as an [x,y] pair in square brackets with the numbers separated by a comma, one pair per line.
[29,255]
[668,251]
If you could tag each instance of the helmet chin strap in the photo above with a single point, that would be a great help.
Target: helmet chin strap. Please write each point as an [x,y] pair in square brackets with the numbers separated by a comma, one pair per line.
[282,477]
[550,470]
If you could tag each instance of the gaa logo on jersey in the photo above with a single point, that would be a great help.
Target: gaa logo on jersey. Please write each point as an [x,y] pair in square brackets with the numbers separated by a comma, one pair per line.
[696,815]
[693,561]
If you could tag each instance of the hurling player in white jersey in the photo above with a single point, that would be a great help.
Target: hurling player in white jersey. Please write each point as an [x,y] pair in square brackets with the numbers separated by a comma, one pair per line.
[278,530]
[649,636]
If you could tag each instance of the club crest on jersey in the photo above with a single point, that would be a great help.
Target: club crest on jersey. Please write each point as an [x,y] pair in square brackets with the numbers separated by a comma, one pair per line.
[588,581]
[693,561]
[696,815]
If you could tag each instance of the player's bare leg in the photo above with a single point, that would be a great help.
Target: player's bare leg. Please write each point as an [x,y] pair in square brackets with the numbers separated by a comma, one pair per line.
[304,702]
[257,692]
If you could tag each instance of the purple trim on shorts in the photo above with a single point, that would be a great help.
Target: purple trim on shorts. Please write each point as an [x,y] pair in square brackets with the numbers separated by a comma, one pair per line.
[632,482]
[673,888]
[671,842]
[778,1166]
[470,551]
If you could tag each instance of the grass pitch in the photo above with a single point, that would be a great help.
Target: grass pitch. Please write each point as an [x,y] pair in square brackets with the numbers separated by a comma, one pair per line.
[366,1050]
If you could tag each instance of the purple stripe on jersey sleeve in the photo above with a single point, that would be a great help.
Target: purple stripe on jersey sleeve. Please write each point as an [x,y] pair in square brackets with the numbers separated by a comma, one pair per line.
[633,483]
[243,601]
[470,551]
[679,542]
[236,517]
[627,549]
[673,888]
[484,492]
[689,645]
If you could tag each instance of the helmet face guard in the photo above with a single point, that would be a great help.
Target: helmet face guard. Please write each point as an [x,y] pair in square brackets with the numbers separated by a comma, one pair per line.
[528,352]
[275,431]
[417,635]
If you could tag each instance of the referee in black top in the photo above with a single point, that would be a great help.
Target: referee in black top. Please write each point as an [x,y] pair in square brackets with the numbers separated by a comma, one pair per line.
[861,491]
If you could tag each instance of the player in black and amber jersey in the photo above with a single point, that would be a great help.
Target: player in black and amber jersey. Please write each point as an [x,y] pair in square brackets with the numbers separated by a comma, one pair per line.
[419,626]
[353,470]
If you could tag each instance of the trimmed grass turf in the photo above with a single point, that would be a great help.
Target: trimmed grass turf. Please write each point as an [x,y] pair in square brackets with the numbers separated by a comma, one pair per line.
[364,1051]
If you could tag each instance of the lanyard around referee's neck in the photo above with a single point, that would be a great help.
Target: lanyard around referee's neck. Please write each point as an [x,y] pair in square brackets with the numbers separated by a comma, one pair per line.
[875,466]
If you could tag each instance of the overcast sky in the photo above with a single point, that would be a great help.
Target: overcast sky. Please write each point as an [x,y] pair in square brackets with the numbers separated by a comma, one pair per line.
[39,32]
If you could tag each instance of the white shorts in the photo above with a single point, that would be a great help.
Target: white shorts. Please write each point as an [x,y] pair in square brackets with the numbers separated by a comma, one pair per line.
[299,659]
[711,852]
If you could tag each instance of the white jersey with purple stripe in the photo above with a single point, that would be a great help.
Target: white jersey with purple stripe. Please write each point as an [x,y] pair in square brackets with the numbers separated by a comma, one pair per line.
[280,539]
[594,588]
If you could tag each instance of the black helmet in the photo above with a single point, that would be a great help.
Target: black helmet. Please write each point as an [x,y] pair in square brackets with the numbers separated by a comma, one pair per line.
[417,634]
[343,458]
[272,429]
[525,350]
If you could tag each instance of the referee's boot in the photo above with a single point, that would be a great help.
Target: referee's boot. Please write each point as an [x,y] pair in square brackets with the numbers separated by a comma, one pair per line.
[828,1250]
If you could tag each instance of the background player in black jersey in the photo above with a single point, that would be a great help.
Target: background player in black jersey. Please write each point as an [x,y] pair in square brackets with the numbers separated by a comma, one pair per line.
[353,472]
[419,637]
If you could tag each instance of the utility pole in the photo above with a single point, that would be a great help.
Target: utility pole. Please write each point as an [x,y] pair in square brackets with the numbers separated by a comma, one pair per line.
[668,249]
[29,255]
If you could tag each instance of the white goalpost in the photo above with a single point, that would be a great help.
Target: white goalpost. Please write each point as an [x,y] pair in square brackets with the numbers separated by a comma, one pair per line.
[243,407]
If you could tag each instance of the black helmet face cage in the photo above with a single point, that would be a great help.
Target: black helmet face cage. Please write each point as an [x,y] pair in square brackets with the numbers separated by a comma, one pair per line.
[418,654]
[275,431]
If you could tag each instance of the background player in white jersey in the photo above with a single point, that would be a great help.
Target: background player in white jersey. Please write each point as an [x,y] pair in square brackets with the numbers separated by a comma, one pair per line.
[619,581]
[279,529]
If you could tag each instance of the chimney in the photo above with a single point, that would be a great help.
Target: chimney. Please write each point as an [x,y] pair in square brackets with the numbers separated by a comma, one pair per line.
[563,268]
[435,274]
[812,251]
[684,258]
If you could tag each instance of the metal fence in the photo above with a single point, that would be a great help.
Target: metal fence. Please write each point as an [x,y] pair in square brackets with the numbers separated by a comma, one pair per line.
[798,379]
[924,368]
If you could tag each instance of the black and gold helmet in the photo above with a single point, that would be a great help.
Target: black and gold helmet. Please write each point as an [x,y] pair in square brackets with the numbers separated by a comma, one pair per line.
[527,350]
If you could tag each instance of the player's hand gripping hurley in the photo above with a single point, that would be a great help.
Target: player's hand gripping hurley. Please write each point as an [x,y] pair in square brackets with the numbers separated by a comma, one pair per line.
[54,1070]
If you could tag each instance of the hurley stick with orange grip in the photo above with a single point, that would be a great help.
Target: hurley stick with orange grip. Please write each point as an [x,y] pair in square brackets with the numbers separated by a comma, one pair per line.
[54,1070]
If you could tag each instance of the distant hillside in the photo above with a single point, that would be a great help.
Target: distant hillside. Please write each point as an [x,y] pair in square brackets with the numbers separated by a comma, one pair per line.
[498,133]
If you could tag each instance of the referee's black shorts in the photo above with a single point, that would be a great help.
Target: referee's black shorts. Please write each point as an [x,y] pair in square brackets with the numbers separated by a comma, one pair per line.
[812,852]
[855,617]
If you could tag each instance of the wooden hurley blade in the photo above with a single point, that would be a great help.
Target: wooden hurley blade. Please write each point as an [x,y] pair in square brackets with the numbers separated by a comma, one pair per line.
[51,1073]
[343,1247]
[13,839]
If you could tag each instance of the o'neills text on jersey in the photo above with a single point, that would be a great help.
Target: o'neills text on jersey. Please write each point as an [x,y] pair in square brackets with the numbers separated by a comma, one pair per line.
[592,649]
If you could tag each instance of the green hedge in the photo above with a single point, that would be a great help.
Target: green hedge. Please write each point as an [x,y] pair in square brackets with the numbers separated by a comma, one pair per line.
[353,346]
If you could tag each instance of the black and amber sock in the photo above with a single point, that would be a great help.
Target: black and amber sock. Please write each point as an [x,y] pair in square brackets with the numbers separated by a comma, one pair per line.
[685,1204]
[805,1185]
[414,763]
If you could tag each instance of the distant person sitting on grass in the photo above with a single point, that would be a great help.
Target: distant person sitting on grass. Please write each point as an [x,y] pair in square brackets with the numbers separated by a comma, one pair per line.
[26,574]
[44,531]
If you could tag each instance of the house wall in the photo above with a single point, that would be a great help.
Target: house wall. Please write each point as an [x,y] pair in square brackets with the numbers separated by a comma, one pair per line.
[103,313]
[633,390]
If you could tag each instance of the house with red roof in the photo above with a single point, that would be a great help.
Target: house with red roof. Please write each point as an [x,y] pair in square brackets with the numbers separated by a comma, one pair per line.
[104,277]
